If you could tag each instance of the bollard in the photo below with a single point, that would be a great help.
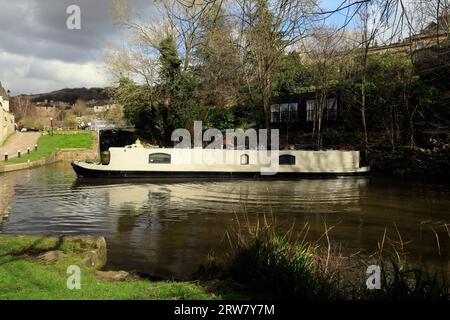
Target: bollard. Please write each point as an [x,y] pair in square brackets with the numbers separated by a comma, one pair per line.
[28,150]
[6,156]
[18,154]
[35,147]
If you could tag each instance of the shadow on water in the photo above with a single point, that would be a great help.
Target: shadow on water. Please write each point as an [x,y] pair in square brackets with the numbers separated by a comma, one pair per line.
[166,228]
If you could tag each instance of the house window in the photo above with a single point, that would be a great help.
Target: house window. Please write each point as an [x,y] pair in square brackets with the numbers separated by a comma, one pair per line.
[287,160]
[245,159]
[311,109]
[293,112]
[284,112]
[332,109]
[275,113]
[159,158]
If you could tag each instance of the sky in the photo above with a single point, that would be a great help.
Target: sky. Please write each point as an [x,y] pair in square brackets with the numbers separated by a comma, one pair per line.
[38,53]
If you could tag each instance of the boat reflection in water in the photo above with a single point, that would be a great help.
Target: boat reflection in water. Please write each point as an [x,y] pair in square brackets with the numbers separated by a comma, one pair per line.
[167,227]
[170,226]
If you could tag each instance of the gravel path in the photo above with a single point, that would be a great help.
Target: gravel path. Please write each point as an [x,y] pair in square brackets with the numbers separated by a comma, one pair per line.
[19,141]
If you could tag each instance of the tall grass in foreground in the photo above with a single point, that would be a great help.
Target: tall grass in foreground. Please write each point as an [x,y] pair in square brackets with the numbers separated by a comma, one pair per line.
[400,280]
[265,264]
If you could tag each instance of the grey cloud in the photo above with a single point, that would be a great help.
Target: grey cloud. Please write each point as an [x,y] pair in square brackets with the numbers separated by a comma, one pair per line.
[37,29]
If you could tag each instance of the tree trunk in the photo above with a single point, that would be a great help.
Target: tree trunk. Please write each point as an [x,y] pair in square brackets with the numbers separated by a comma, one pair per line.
[363,115]
[266,99]
[411,133]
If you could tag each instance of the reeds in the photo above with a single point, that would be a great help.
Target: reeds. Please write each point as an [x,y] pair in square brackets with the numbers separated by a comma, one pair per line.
[268,263]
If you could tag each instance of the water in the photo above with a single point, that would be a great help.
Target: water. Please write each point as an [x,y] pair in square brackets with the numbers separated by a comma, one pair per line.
[167,228]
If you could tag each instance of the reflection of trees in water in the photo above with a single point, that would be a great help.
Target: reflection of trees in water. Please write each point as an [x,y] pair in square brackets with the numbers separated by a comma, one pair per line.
[159,203]
[7,182]
[173,226]
[139,202]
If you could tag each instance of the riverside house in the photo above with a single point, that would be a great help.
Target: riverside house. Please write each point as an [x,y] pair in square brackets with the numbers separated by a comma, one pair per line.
[6,117]
[300,111]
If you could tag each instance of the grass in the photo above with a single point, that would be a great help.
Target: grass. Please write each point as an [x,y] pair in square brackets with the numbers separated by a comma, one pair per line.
[24,278]
[263,265]
[267,265]
[48,144]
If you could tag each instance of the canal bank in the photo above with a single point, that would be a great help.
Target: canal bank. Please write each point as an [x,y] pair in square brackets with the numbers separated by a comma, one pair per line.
[167,228]
[48,268]
[54,148]
[263,266]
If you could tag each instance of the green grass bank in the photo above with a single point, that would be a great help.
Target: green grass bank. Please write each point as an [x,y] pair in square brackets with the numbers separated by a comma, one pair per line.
[262,265]
[24,275]
[47,144]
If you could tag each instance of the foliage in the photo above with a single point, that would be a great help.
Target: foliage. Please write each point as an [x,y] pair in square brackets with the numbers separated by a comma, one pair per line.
[140,109]
[291,75]
[233,65]
[406,283]
[265,264]
[268,265]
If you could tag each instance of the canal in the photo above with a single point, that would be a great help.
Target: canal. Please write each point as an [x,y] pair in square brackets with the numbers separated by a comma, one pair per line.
[167,228]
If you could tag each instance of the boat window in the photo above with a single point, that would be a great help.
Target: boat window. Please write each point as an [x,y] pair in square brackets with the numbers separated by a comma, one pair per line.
[159,158]
[287,160]
[244,159]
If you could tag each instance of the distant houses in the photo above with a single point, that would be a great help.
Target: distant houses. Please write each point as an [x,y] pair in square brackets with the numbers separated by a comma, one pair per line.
[7,124]
[106,107]
[434,35]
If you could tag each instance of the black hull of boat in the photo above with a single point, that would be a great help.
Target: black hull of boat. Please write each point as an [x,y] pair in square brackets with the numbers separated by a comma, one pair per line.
[90,173]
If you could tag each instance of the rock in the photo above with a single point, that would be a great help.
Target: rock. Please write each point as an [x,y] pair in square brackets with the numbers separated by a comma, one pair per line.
[94,251]
[112,275]
[101,252]
[51,256]
[91,259]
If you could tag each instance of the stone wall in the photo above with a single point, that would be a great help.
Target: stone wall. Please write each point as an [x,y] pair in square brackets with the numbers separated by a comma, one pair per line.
[6,125]
[59,155]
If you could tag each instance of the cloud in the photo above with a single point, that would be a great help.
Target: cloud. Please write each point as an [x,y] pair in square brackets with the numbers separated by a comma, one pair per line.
[39,53]
[25,74]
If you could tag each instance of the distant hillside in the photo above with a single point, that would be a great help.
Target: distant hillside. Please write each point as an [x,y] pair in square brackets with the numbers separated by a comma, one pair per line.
[72,95]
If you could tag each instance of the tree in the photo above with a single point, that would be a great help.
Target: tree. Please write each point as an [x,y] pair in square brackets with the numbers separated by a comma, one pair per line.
[22,107]
[291,75]
[80,107]
[370,22]
[324,51]
[137,58]
[269,29]
[170,64]
[141,110]
[186,18]
[218,64]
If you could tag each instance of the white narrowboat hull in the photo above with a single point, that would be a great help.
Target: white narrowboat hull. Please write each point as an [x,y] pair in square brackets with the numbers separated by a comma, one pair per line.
[203,163]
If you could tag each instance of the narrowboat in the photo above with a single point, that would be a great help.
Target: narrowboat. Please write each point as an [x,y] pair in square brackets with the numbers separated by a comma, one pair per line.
[137,161]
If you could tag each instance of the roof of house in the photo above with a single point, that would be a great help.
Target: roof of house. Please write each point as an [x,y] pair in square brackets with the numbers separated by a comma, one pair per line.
[3,92]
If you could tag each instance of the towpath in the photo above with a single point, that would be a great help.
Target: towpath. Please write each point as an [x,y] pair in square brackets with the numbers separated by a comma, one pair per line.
[19,141]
